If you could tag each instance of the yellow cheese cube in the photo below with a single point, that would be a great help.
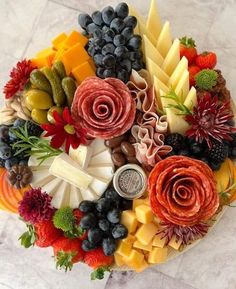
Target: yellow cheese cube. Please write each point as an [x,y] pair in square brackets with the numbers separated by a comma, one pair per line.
[59,54]
[58,40]
[83,71]
[138,202]
[158,255]
[130,239]
[142,267]
[135,259]
[174,243]
[73,38]
[119,261]
[141,246]
[74,56]
[158,241]
[146,233]
[129,220]
[47,52]
[124,249]
[41,62]
[144,214]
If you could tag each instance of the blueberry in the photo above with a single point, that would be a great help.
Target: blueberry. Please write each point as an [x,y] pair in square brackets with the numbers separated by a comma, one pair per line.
[119,232]
[127,32]
[109,73]
[99,72]
[87,222]
[99,43]
[103,205]
[119,40]
[117,25]
[97,33]
[126,64]
[98,59]
[19,123]
[109,48]
[12,136]
[121,52]
[122,10]
[84,20]
[215,166]
[125,204]
[111,194]
[97,18]
[137,65]
[123,75]
[87,246]
[4,132]
[10,163]
[109,35]
[108,14]
[105,29]
[109,61]
[109,246]
[92,27]
[87,206]
[5,151]
[95,236]
[104,225]
[113,216]
[196,148]
[91,51]
[130,21]
[134,42]
[184,152]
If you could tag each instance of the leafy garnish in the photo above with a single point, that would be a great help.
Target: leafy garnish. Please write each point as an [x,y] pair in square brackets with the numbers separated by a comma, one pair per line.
[187,42]
[99,273]
[29,237]
[76,232]
[183,109]
[206,79]
[65,260]
[32,145]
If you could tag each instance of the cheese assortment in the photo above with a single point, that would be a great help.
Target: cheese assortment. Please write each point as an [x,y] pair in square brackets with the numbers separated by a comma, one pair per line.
[109,138]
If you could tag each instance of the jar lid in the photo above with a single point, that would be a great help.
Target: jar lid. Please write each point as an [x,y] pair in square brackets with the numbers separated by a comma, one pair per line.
[130,181]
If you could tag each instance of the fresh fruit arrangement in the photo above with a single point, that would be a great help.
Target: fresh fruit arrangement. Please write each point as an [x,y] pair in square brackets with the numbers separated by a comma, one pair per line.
[117,143]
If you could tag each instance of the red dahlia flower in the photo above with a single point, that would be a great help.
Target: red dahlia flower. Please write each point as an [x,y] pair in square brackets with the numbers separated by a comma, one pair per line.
[19,77]
[210,120]
[65,130]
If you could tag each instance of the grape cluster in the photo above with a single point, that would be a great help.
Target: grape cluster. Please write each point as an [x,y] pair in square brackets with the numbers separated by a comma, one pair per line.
[102,222]
[115,49]
[7,138]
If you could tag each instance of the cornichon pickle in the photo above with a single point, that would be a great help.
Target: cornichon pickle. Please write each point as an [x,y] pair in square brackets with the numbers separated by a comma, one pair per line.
[50,113]
[57,91]
[59,68]
[39,116]
[69,87]
[39,81]
[39,99]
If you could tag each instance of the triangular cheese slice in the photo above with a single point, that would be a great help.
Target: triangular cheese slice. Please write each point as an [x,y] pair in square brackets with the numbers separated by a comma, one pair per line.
[176,122]
[164,41]
[179,70]
[191,98]
[140,18]
[155,70]
[182,88]
[160,89]
[173,57]
[151,52]
[143,31]
[154,21]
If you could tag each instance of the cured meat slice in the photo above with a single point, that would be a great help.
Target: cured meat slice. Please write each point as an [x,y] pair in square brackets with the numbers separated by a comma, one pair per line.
[183,191]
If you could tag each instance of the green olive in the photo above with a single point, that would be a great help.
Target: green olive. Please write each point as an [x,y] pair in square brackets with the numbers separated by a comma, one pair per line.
[50,113]
[39,115]
[39,99]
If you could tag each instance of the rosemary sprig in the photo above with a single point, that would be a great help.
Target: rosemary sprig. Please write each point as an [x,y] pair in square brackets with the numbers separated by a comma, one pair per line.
[184,110]
[32,145]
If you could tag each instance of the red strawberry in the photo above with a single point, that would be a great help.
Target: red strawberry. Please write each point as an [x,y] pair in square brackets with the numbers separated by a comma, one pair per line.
[206,60]
[96,258]
[46,233]
[78,215]
[193,70]
[187,49]
[67,252]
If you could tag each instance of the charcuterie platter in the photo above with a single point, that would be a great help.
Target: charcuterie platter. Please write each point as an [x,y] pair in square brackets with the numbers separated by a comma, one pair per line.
[117,143]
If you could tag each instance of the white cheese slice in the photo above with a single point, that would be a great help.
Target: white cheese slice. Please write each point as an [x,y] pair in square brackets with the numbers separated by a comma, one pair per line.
[81,155]
[75,197]
[154,21]
[165,101]
[191,98]
[41,178]
[99,186]
[155,70]
[140,18]
[151,52]
[164,41]
[160,89]
[103,158]
[143,31]
[53,186]
[97,146]
[67,169]
[172,59]
[88,194]
[103,172]
[61,197]
[34,162]
[182,88]
[176,123]
[178,72]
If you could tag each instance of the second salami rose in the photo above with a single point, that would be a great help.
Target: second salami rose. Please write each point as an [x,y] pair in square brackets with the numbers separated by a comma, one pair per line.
[104,107]
[183,191]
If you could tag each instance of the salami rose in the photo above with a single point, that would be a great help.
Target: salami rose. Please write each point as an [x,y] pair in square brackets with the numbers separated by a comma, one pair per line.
[104,107]
[183,191]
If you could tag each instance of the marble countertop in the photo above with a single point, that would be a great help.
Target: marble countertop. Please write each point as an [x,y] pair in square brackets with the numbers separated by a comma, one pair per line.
[26,27]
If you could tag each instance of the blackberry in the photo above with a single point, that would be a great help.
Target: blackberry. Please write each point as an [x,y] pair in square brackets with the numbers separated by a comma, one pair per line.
[34,129]
[176,141]
[218,153]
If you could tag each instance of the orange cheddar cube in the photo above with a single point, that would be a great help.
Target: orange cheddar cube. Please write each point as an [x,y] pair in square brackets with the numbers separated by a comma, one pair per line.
[59,54]
[57,41]
[73,38]
[83,71]
[48,53]
[74,56]
[40,62]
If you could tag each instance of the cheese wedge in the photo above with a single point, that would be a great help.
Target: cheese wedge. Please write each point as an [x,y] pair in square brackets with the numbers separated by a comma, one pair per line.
[102,172]
[144,31]
[153,20]
[99,186]
[88,194]
[172,59]
[160,90]
[102,158]
[176,123]
[182,88]
[155,70]
[178,72]
[81,155]
[75,197]
[61,197]
[41,178]
[52,187]
[164,41]
[67,169]
[191,98]
[151,52]
[97,146]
